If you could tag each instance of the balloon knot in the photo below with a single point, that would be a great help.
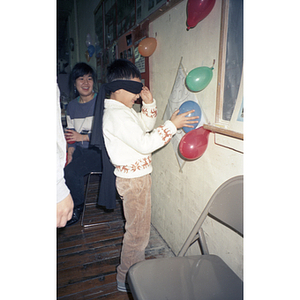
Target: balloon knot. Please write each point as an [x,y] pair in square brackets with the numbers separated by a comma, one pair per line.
[188,28]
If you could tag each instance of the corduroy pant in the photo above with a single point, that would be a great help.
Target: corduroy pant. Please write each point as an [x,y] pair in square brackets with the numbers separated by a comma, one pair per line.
[136,196]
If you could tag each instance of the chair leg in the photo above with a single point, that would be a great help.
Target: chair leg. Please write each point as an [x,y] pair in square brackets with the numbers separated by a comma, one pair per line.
[85,199]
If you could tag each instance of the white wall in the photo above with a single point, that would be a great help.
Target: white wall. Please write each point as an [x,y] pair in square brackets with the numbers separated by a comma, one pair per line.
[178,198]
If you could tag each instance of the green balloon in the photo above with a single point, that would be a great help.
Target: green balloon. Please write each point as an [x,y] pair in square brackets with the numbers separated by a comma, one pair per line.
[199,78]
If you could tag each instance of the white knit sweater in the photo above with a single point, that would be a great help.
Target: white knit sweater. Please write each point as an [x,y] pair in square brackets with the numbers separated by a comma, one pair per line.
[130,138]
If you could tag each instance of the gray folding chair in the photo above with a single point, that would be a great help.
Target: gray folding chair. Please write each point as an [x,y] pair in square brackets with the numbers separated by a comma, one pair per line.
[202,276]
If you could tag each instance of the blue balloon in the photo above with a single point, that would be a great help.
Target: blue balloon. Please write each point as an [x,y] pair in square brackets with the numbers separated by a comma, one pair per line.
[91,50]
[187,106]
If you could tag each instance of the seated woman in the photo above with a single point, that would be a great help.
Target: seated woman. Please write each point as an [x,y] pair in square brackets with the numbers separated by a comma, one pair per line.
[82,159]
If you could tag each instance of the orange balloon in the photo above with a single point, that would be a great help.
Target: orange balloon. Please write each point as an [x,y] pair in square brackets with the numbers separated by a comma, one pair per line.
[147,46]
[87,56]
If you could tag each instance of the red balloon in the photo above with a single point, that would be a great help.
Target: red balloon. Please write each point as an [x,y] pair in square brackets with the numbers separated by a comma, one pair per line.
[197,10]
[194,143]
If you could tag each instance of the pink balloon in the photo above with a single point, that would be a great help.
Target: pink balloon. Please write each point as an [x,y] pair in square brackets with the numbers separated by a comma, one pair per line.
[194,143]
[197,10]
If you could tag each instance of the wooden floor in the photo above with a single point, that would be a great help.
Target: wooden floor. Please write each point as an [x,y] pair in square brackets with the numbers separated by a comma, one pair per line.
[87,257]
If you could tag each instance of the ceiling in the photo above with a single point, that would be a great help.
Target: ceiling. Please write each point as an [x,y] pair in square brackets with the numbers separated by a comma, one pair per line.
[64,9]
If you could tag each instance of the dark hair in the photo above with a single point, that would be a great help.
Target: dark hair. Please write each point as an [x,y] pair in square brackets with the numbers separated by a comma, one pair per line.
[122,69]
[80,69]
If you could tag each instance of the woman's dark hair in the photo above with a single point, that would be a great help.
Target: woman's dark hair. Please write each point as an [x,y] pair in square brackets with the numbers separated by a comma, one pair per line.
[80,69]
[122,69]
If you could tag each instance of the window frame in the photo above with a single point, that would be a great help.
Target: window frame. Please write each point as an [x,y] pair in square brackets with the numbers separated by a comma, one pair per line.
[221,126]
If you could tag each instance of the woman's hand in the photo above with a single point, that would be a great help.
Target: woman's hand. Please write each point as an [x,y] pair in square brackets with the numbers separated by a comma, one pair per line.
[146,95]
[64,211]
[69,158]
[72,136]
[70,154]
[182,120]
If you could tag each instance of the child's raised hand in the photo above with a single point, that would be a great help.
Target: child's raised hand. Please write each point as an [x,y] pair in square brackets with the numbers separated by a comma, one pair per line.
[182,120]
[146,95]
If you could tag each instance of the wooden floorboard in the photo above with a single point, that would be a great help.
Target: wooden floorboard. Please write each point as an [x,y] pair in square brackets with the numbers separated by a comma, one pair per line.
[87,257]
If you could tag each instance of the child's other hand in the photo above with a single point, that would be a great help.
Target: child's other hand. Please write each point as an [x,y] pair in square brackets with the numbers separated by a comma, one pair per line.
[182,121]
[146,95]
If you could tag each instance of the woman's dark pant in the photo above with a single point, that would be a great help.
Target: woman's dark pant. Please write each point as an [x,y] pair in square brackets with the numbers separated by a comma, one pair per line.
[83,162]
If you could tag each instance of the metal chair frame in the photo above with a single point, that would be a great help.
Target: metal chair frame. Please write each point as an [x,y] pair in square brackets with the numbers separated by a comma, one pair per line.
[88,204]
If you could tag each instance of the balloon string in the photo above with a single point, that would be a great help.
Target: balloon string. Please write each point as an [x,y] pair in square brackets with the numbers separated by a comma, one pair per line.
[182,167]
[213,64]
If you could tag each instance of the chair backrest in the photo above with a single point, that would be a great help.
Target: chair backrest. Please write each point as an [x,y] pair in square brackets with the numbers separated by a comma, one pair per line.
[225,206]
